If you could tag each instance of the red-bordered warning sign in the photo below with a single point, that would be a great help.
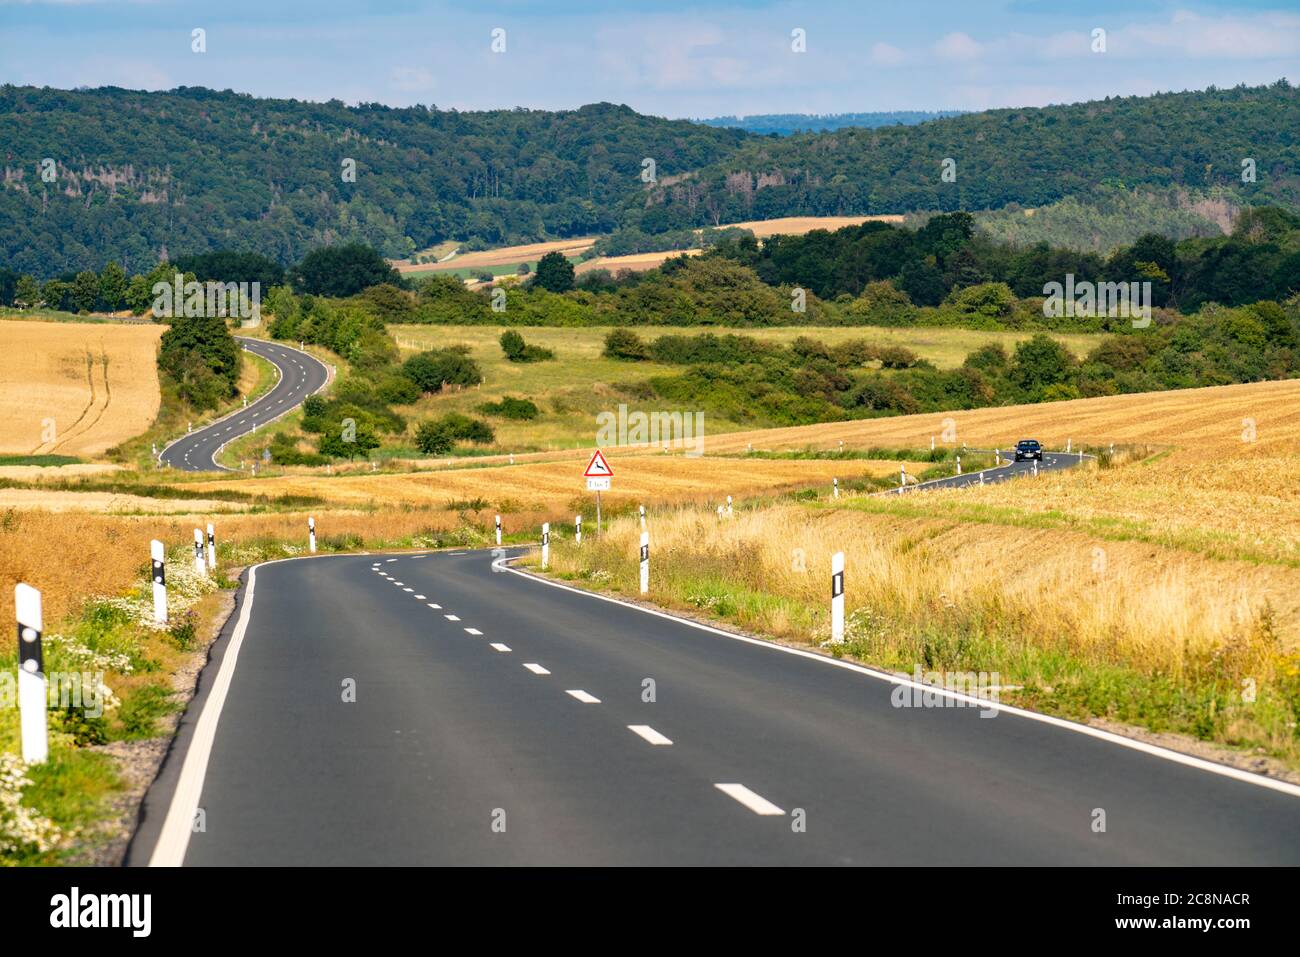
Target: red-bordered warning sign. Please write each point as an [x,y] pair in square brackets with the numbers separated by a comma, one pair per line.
[598,467]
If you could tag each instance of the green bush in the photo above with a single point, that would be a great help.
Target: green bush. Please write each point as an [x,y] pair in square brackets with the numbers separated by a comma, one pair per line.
[511,408]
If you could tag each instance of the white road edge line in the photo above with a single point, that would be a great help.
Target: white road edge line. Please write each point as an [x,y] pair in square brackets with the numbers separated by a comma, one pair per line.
[1132,744]
[755,802]
[649,733]
[583,696]
[174,838]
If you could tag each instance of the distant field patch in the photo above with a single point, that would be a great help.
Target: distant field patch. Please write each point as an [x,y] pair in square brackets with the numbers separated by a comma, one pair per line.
[75,389]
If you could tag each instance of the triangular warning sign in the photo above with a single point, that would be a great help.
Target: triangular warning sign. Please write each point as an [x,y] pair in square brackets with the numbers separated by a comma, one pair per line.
[598,467]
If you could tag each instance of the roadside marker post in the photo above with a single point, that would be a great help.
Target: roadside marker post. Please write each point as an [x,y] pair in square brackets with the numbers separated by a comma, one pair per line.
[835,488]
[1069,445]
[31,676]
[719,513]
[212,548]
[642,508]
[546,544]
[200,566]
[498,529]
[158,557]
[959,465]
[902,476]
[997,457]
[1035,468]
[728,506]
[311,533]
[837,598]
[577,529]
[645,562]
[981,478]
[932,443]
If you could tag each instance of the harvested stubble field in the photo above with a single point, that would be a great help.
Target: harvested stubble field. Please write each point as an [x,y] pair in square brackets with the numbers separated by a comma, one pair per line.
[97,383]
[551,486]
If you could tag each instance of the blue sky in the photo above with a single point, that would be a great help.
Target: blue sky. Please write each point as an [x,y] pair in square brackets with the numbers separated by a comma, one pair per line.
[659,56]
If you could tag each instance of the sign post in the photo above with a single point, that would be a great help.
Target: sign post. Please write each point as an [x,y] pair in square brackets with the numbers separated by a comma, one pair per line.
[598,474]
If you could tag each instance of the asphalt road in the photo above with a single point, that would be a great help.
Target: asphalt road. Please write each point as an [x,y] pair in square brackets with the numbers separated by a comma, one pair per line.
[1010,469]
[300,376]
[499,719]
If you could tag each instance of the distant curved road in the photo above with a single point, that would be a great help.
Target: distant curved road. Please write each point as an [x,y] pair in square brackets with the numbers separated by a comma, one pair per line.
[1009,469]
[300,376]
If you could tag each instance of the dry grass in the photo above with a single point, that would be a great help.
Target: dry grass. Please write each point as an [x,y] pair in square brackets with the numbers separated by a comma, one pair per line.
[97,383]
[29,540]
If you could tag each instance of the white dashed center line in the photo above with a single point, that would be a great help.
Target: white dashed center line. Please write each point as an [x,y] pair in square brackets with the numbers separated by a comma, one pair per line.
[451,617]
[434,605]
[497,646]
[755,802]
[535,668]
[649,733]
[583,696]
[419,597]
[473,631]
[408,589]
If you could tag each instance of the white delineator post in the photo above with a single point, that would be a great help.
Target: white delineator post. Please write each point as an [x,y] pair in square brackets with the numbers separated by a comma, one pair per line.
[959,465]
[1035,467]
[1069,445]
[645,562]
[158,557]
[200,566]
[642,508]
[546,544]
[835,488]
[997,457]
[729,505]
[212,548]
[902,476]
[498,529]
[932,443]
[311,533]
[577,529]
[837,597]
[31,675]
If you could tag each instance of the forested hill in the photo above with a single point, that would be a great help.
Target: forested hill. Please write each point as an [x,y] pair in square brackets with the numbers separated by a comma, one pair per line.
[190,170]
[1025,156]
[193,170]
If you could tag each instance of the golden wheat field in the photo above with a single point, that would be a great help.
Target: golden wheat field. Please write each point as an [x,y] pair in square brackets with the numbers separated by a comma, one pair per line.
[554,484]
[74,388]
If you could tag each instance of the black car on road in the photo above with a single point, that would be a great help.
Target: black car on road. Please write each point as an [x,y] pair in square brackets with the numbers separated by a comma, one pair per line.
[1029,449]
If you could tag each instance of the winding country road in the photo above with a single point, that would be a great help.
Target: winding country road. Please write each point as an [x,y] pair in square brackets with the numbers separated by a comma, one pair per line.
[300,376]
[501,719]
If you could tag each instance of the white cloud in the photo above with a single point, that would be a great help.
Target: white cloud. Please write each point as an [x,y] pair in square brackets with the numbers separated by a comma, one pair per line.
[958,46]
[885,54]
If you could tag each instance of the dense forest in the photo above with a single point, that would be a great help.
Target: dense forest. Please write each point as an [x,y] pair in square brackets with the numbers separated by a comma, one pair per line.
[1031,157]
[137,176]
[141,175]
